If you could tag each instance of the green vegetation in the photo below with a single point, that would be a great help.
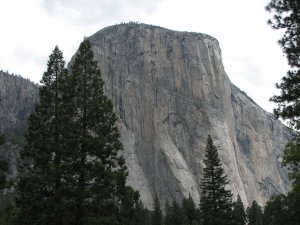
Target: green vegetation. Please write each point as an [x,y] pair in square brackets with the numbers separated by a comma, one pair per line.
[254,214]
[239,215]
[41,179]
[286,16]
[157,214]
[216,201]
[73,172]
[285,209]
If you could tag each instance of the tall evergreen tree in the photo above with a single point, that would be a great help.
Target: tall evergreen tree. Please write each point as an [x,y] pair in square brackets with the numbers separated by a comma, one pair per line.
[286,15]
[190,210]
[157,214]
[40,186]
[142,215]
[254,214]
[97,171]
[216,201]
[168,218]
[177,214]
[239,214]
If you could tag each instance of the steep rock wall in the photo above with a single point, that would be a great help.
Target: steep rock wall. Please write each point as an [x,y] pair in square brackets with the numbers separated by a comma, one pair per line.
[17,99]
[170,91]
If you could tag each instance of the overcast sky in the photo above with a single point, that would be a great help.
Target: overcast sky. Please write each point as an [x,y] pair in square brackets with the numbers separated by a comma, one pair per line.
[251,56]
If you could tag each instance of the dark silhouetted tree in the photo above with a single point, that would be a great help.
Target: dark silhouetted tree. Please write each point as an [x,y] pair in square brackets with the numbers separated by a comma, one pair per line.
[239,214]
[168,218]
[190,210]
[97,171]
[286,16]
[157,214]
[41,186]
[254,214]
[276,211]
[73,171]
[216,201]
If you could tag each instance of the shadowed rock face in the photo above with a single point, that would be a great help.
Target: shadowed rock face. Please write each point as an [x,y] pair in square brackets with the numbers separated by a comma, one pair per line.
[170,91]
[17,99]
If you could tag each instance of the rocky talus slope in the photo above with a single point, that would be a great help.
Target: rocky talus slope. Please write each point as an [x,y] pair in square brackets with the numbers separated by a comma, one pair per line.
[170,91]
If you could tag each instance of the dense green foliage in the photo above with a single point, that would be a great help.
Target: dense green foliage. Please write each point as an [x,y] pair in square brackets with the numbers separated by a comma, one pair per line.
[99,172]
[216,201]
[157,214]
[7,214]
[42,186]
[190,211]
[181,214]
[239,215]
[276,211]
[285,209]
[286,15]
[254,214]
[73,172]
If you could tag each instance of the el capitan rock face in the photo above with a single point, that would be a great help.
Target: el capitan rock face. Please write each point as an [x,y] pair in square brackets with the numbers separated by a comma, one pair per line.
[170,91]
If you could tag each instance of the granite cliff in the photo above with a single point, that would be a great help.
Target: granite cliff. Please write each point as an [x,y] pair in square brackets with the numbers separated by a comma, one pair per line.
[17,99]
[170,91]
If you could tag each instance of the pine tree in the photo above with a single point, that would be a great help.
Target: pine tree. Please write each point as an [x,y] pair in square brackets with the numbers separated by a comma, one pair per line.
[254,214]
[157,214]
[286,15]
[190,210]
[40,188]
[142,215]
[168,218]
[216,201]
[239,215]
[97,171]
[177,214]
